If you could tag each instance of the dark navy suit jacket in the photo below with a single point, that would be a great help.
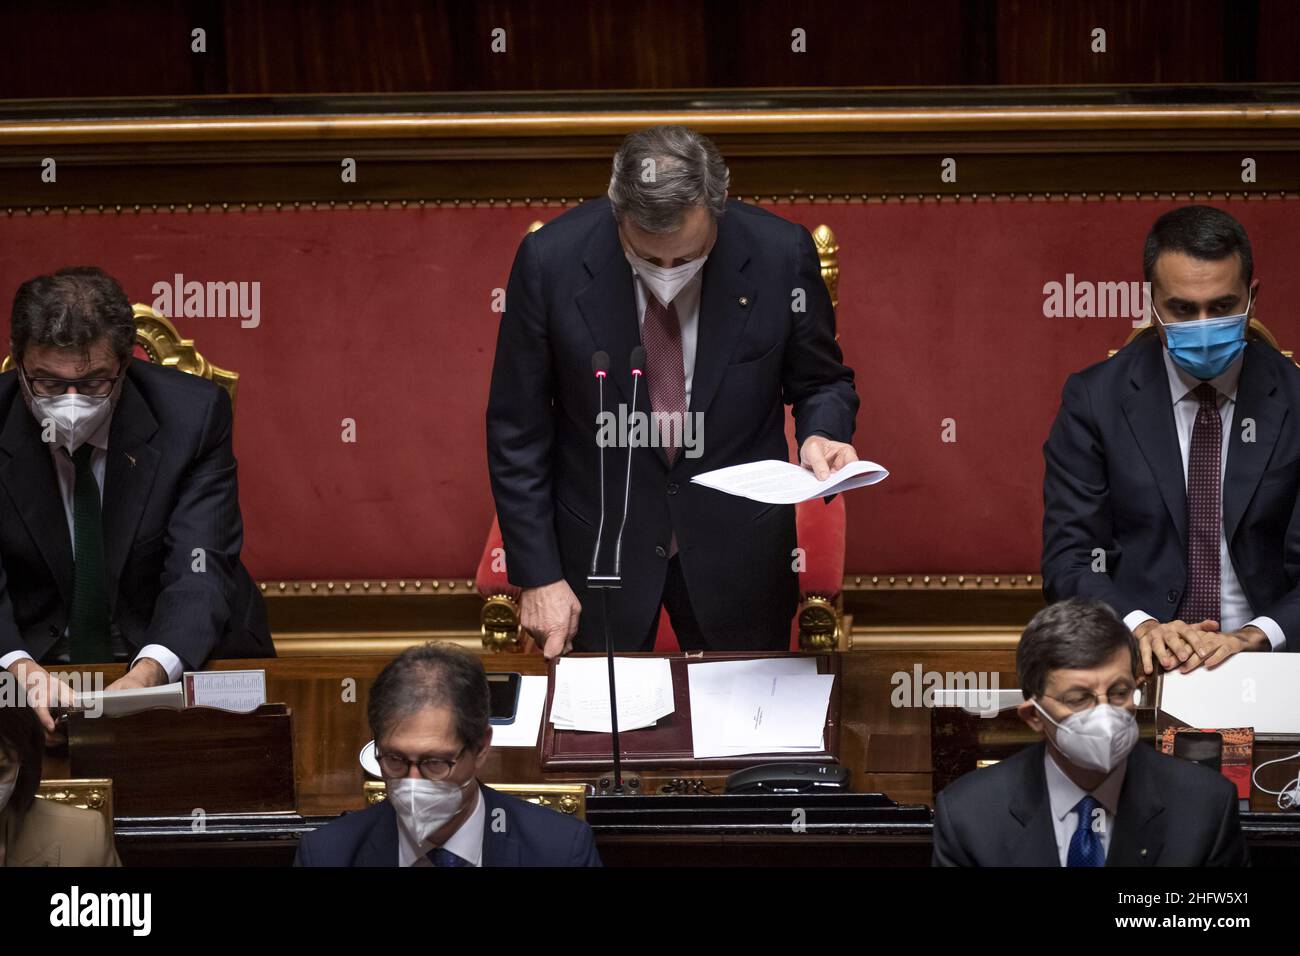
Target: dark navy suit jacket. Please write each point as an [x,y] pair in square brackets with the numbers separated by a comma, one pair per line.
[1114,480]
[169,487]
[766,339]
[1171,812]
[530,836]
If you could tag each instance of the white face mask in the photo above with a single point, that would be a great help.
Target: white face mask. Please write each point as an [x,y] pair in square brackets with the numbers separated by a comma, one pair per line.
[75,417]
[1095,739]
[424,807]
[665,283]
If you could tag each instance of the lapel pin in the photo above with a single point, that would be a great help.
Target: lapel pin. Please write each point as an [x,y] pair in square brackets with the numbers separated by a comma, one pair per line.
[1142,852]
[130,458]
[744,300]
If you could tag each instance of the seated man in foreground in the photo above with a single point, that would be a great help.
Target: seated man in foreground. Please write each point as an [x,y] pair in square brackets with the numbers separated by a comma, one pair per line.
[430,713]
[1091,794]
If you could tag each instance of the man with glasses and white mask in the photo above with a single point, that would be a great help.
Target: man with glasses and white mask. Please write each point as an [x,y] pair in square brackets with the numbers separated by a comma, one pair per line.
[728,302]
[1091,794]
[430,714]
[120,529]
[1172,469]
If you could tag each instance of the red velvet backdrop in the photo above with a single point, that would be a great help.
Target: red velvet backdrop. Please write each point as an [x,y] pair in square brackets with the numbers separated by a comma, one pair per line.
[384,316]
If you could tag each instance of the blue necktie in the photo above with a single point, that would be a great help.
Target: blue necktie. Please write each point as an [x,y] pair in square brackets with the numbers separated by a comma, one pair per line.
[440,857]
[1085,845]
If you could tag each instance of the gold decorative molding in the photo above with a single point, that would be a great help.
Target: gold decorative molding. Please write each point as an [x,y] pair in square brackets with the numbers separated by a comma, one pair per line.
[938,638]
[85,793]
[869,199]
[942,582]
[613,123]
[499,624]
[819,624]
[570,798]
[828,254]
[369,587]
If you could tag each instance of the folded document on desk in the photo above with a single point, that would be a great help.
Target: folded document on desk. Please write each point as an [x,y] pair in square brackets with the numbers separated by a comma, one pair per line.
[581,701]
[770,705]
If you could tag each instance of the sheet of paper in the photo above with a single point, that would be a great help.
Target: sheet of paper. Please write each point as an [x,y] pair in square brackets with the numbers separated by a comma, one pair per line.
[528,716]
[783,483]
[238,691]
[710,687]
[1247,690]
[581,701]
[780,710]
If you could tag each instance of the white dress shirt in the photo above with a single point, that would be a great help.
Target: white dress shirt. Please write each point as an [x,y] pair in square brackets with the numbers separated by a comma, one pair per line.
[466,842]
[1064,795]
[66,471]
[687,303]
[1234,610]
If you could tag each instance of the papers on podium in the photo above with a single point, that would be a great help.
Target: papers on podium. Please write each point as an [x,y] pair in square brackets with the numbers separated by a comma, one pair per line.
[1246,690]
[581,701]
[771,705]
[782,483]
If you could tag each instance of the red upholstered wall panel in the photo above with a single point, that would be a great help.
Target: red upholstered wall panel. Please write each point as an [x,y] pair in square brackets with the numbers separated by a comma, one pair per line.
[384,316]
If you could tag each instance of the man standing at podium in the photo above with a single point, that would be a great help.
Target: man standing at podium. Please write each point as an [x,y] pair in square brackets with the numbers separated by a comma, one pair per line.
[1173,468]
[120,529]
[729,304]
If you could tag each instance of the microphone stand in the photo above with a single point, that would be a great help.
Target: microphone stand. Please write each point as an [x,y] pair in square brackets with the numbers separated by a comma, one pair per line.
[608,582]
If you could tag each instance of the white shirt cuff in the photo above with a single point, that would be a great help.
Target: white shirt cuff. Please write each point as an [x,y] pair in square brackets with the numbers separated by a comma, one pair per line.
[14,656]
[1265,624]
[165,658]
[1134,619]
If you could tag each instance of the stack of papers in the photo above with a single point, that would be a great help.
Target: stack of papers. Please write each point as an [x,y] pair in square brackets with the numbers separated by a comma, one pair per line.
[581,701]
[774,705]
[781,483]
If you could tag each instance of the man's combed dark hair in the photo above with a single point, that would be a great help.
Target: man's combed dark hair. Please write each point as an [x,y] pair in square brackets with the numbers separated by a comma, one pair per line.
[72,309]
[433,675]
[1070,635]
[1201,232]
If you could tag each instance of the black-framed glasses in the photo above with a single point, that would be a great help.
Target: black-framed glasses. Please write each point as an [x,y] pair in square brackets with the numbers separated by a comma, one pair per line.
[1121,695]
[397,766]
[53,387]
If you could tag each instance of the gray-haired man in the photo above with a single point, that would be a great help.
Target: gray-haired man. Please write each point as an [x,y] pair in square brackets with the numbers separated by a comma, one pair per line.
[728,301]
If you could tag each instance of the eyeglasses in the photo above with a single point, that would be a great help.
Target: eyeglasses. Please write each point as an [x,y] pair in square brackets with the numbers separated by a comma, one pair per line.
[1080,700]
[52,387]
[397,766]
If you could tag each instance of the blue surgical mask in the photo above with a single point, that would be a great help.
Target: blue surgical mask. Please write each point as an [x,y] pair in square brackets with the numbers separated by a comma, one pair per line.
[1204,348]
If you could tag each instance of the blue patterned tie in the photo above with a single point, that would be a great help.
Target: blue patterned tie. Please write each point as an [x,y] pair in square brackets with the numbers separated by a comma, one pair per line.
[1085,845]
[440,857]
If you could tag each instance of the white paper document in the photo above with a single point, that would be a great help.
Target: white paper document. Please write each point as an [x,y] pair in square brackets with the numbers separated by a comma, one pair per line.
[1246,690]
[239,691]
[783,483]
[522,731]
[770,705]
[581,701]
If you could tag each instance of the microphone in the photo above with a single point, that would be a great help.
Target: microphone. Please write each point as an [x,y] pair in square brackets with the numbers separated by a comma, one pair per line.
[600,368]
[637,363]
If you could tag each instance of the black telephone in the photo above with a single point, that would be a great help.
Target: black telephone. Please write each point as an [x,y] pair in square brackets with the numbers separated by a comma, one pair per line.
[800,777]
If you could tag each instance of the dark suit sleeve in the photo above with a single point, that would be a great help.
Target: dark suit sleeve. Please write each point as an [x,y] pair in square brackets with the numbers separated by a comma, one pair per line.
[303,856]
[1286,610]
[1076,507]
[10,637]
[816,383]
[192,611]
[1229,843]
[948,851]
[583,852]
[520,431]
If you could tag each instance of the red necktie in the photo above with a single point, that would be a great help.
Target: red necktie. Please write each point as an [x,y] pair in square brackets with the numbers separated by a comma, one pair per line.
[1204,511]
[661,334]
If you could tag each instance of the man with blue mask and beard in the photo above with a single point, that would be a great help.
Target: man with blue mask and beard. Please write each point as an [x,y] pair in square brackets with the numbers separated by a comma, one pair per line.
[430,713]
[1172,469]
[1091,794]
